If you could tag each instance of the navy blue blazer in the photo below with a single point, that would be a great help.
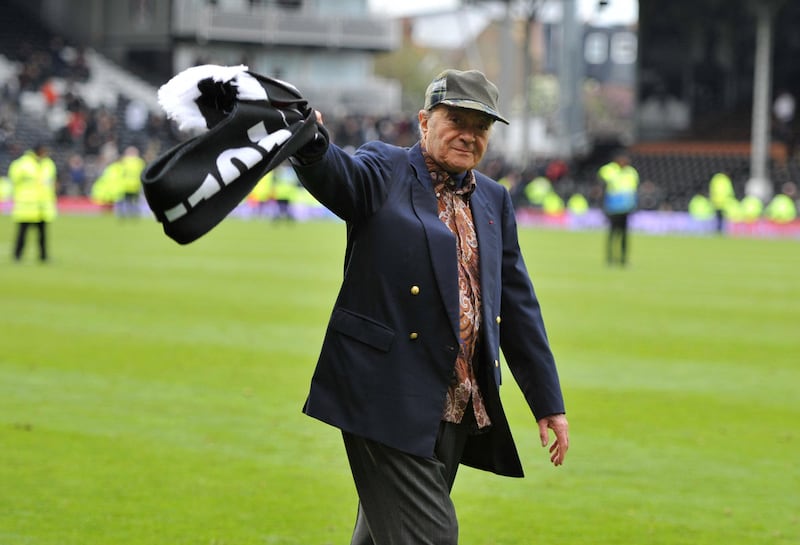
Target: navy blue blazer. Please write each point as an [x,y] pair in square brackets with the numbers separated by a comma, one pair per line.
[392,339]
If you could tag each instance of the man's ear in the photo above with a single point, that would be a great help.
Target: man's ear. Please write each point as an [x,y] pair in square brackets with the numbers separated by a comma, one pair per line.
[423,117]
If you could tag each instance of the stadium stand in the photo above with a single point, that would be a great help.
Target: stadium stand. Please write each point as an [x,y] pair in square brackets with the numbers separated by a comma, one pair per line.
[72,99]
[683,169]
[84,105]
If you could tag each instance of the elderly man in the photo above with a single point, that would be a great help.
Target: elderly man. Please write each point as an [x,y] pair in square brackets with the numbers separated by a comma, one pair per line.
[434,287]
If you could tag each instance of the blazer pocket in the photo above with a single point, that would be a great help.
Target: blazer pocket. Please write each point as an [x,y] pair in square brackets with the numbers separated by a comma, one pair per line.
[363,329]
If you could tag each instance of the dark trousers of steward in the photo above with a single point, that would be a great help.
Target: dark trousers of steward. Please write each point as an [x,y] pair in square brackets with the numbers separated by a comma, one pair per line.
[22,235]
[405,499]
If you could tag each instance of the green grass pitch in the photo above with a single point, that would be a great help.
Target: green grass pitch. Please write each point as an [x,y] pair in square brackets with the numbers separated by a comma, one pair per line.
[150,393]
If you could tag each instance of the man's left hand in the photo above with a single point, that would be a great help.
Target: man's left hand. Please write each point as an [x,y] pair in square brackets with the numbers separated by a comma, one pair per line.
[558,423]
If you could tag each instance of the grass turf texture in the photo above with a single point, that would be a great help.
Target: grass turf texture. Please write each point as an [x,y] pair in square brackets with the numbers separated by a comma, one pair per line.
[150,393]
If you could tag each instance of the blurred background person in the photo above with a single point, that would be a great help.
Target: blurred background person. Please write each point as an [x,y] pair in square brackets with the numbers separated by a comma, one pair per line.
[620,183]
[33,178]
[700,208]
[782,207]
[751,208]
[119,186]
[721,193]
[285,189]
[537,190]
[577,204]
[131,166]
[261,195]
[76,175]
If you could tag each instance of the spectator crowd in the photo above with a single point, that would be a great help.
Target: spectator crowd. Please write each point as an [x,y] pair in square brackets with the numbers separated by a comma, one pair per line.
[46,96]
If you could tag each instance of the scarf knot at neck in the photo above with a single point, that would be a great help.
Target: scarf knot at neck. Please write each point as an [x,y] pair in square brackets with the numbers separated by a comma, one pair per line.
[445,180]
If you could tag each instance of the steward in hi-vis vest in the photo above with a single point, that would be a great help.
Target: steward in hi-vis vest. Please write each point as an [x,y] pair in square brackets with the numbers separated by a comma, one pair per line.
[721,193]
[33,179]
[620,188]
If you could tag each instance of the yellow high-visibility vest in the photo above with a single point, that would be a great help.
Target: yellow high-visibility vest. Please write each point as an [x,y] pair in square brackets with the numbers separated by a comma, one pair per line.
[33,179]
[577,204]
[781,209]
[701,208]
[622,184]
[720,190]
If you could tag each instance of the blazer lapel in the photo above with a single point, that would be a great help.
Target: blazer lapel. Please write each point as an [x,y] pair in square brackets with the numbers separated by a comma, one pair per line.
[441,242]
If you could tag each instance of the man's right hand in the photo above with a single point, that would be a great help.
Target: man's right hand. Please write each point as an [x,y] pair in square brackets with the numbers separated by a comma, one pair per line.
[316,148]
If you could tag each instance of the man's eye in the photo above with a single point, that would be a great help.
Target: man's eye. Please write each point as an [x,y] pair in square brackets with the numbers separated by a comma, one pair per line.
[461,122]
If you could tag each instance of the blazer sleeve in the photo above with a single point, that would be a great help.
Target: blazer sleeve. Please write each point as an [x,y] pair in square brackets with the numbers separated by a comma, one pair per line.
[523,338]
[351,186]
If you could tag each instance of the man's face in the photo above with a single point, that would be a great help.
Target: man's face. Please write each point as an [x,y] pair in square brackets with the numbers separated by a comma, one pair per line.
[456,138]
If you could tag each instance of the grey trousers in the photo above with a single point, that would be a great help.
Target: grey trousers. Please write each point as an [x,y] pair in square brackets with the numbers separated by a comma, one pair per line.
[405,499]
